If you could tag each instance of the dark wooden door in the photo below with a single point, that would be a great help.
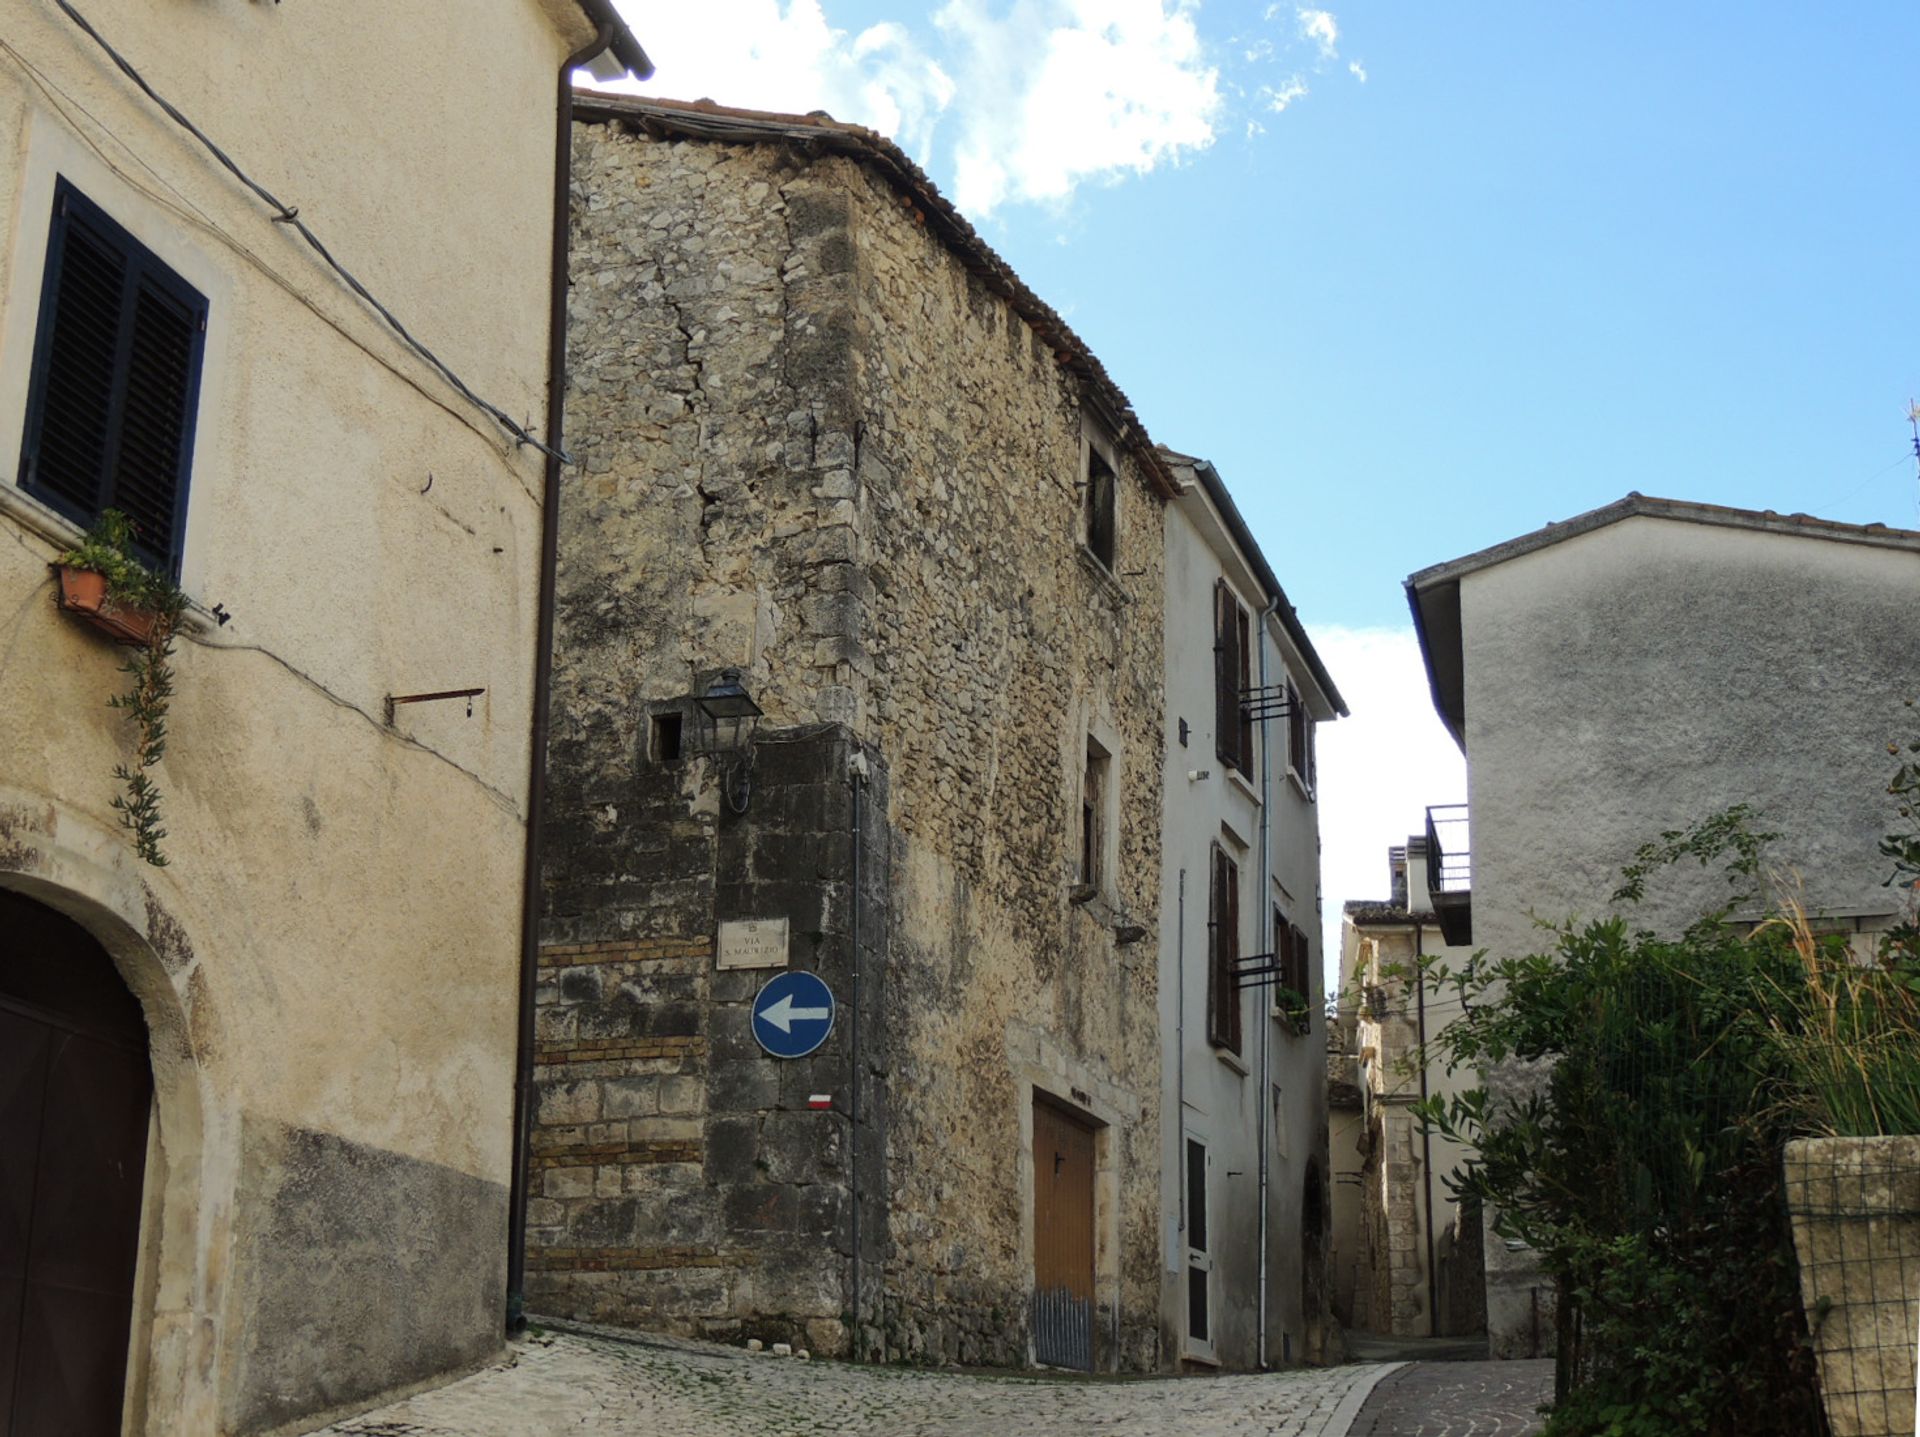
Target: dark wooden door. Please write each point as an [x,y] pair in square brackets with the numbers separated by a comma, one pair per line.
[1062,1238]
[76,1094]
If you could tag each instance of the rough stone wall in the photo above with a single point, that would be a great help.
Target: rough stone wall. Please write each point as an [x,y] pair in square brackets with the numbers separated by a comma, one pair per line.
[814,448]
[995,644]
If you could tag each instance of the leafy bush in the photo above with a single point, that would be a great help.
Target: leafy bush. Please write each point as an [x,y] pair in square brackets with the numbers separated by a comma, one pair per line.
[1644,1168]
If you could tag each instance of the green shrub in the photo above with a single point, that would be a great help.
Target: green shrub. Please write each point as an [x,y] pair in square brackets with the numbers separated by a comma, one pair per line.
[1644,1171]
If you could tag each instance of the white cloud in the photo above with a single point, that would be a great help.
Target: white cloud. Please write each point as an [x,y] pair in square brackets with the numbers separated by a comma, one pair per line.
[1379,769]
[1063,91]
[1320,27]
[785,55]
[1030,98]
[1357,70]
[1277,98]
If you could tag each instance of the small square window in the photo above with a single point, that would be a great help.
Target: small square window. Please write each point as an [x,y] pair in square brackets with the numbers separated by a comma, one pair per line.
[665,738]
[115,382]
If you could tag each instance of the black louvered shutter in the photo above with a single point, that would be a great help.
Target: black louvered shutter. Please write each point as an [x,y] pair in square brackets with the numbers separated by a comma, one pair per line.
[116,380]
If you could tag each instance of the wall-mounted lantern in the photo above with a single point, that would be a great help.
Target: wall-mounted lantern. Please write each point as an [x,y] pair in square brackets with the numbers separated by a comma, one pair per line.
[732,717]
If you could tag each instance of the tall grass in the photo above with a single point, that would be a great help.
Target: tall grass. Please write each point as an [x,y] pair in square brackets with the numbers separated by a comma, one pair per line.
[1849,1032]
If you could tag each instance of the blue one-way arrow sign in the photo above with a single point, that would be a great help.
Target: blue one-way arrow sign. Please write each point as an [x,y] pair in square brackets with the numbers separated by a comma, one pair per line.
[793,1014]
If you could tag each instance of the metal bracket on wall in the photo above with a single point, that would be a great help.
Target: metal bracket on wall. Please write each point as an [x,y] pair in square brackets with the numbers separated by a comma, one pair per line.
[394,700]
[1256,970]
[1271,702]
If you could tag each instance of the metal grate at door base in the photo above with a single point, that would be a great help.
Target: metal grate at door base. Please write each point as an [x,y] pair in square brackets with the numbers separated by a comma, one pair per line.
[1063,1329]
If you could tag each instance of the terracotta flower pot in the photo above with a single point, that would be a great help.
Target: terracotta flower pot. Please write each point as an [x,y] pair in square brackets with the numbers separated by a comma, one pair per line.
[83,592]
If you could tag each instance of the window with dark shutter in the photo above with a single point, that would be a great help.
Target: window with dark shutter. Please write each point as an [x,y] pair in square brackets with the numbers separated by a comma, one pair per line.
[1243,632]
[1293,980]
[1302,980]
[1223,951]
[116,380]
[1297,735]
[1100,507]
[1233,742]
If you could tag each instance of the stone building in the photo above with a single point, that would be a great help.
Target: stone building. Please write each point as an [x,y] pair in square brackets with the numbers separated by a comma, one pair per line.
[255,1105]
[1244,1140]
[830,441]
[1410,1256]
[1637,669]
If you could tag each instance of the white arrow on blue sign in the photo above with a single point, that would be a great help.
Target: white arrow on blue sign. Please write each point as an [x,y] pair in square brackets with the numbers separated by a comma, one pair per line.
[793,1014]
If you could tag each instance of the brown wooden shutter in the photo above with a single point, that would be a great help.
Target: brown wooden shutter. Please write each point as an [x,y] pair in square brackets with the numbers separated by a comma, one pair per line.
[1244,681]
[1226,672]
[1233,953]
[1297,734]
[1223,950]
[1216,910]
[1303,975]
[1229,954]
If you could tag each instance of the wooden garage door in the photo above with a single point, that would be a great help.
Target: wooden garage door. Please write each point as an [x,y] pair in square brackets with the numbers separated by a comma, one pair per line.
[1062,1238]
[75,1098]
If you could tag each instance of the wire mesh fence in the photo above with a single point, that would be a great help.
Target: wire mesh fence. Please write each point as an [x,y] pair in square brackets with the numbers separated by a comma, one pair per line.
[1855,1207]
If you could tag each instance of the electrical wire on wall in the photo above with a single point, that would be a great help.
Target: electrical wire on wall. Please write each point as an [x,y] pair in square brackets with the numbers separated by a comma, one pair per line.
[289,215]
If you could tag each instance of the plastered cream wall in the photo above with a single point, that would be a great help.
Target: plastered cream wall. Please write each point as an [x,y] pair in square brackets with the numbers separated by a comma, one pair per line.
[1644,675]
[328,961]
[817,448]
[1222,1093]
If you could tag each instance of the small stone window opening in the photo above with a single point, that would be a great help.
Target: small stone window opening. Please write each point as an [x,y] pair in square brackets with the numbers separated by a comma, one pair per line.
[1093,810]
[665,744]
[1100,516]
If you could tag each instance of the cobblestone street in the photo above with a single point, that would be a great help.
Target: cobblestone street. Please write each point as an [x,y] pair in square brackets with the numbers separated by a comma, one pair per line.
[1458,1399]
[587,1386]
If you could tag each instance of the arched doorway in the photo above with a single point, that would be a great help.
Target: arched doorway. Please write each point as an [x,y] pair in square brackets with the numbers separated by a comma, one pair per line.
[76,1094]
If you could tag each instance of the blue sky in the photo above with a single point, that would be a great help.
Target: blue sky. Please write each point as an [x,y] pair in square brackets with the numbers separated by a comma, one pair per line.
[1419,277]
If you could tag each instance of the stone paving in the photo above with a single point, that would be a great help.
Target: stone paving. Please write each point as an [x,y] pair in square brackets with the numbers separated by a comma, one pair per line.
[586,1386]
[1458,1399]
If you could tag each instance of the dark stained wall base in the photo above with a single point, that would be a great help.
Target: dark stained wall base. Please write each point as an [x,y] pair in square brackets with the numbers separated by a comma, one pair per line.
[359,1271]
[682,1181]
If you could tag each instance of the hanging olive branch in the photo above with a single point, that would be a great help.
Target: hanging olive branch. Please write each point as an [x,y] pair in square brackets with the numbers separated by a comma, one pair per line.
[108,549]
[145,703]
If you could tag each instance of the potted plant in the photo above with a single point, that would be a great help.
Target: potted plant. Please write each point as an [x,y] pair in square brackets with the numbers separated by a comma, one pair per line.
[105,585]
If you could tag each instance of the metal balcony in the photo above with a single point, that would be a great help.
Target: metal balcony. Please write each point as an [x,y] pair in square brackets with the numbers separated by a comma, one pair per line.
[1450,871]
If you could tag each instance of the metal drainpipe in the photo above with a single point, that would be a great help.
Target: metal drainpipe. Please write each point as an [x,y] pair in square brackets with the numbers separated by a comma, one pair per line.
[543,676]
[856,771]
[1426,1138]
[1180,1102]
[1266,946]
